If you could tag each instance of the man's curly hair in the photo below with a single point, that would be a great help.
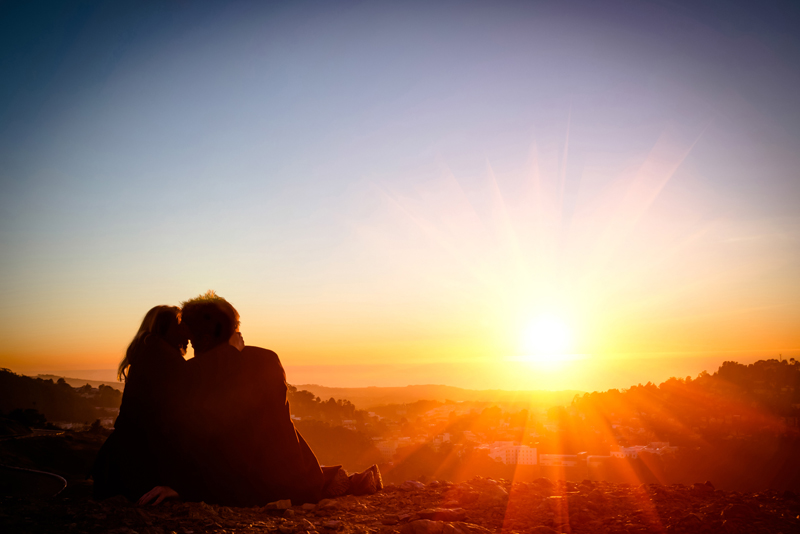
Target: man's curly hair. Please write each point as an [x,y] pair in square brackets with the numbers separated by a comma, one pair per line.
[210,316]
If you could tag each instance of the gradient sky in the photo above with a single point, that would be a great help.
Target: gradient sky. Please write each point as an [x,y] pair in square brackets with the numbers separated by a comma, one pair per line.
[391,192]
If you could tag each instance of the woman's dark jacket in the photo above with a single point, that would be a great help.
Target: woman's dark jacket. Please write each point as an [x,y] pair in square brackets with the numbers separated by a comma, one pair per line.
[141,451]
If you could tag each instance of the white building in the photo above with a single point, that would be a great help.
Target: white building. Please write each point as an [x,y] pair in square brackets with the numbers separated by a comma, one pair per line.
[558,460]
[511,454]
[656,447]
[442,438]
[626,452]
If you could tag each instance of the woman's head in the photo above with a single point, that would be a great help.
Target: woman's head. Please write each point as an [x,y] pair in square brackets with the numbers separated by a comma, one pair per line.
[162,321]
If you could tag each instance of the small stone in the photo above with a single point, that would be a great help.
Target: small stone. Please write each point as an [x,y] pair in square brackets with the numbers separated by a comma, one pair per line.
[464,528]
[334,525]
[411,485]
[443,514]
[422,526]
[327,504]
[468,497]
[390,519]
[278,505]
[702,488]
[596,496]
[308,506]
[737,511]
[288,513]
[690,522]
[492,495]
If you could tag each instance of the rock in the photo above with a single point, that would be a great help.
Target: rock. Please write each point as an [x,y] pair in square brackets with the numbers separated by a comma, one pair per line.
[390,519]
[492,495]
[468,497]
[555,506]
[422,526]
[334,525]
[411,485]
[543,483]
[288,513]
[308,506]
[278,505]
[464,528]
[443,514]
[596,496]
[327,504]
[541,529]
[789,495]
[286,528]
[702,488]
[426,526]
[689,523]
[737,511]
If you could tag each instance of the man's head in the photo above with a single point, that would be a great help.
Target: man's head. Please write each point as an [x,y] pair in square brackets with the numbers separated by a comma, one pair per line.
[211,320]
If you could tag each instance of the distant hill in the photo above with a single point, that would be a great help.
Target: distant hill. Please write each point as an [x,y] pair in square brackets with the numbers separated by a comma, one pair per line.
[78,382]
[368,397]
[56,400]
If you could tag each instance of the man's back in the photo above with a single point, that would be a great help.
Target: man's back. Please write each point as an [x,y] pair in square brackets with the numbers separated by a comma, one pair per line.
[240,434]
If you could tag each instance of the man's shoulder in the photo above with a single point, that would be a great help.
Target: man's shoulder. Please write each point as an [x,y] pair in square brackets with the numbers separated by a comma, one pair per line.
[220,352]
[250,349]
[259,355]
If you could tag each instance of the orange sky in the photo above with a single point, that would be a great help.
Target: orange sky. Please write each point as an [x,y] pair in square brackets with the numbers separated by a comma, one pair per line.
[371,190]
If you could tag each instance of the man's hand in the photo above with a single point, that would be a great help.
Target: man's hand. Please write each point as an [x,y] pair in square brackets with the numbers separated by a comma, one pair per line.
[159,493]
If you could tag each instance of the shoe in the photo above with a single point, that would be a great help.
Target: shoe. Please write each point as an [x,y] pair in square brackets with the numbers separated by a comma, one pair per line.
[363,483]
[339,485]
[376,474]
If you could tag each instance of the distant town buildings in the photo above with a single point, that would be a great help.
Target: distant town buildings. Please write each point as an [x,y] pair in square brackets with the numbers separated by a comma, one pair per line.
[558,460]
[512,454]
[655,447]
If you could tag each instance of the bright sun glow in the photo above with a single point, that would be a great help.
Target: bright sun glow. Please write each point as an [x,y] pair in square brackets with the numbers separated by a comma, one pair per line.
[546,343]
[547,336]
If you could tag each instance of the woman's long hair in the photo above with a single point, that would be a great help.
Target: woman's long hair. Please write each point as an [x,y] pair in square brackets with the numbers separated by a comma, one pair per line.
[156,321]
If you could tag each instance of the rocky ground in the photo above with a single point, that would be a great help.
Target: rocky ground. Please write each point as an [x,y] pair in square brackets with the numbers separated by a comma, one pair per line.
[475,507]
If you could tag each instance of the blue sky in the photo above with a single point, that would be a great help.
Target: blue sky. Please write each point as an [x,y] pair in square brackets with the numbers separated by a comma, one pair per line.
[357,176]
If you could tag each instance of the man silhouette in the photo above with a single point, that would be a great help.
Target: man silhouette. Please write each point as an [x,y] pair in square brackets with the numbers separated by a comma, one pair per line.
[241,445]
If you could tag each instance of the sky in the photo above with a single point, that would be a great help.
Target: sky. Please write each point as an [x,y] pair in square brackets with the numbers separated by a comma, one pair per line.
[517,195]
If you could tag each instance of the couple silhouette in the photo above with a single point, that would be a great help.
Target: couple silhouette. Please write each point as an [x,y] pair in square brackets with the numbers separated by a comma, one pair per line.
[215,428]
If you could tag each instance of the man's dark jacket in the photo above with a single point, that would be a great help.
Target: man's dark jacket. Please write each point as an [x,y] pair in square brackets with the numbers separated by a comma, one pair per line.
[242,447]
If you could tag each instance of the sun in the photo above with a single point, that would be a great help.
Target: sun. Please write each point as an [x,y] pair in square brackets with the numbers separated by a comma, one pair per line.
[547,336]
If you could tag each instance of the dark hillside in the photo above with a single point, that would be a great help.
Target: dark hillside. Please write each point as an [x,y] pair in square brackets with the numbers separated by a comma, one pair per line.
[57,401]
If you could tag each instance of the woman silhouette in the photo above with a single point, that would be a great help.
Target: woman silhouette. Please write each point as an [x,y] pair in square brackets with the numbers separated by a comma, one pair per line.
[140,454]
